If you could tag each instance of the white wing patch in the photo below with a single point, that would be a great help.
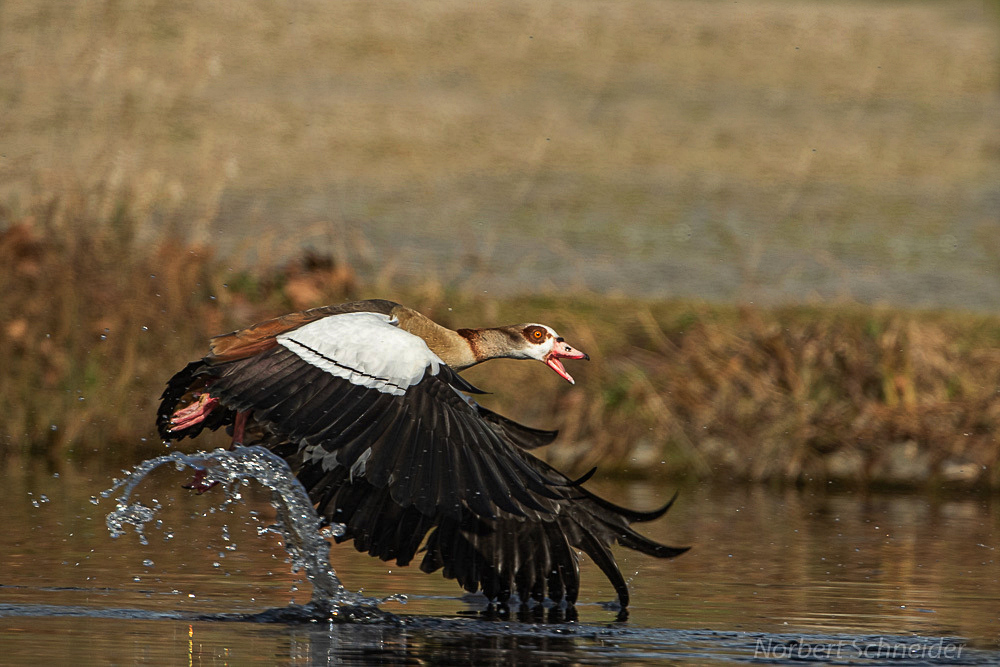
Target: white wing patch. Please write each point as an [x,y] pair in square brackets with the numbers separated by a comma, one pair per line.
[366,349]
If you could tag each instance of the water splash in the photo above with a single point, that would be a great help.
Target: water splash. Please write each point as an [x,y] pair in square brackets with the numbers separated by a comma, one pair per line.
[297,521]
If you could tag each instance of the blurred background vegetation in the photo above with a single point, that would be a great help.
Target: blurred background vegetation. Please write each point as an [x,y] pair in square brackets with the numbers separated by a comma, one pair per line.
[775,226]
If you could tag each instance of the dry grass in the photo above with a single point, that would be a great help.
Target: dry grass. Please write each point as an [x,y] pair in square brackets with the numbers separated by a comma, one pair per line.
[94,327]
[171,92]
[844,394]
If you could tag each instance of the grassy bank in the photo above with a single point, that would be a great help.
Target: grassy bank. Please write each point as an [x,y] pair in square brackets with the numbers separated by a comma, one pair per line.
[94,324]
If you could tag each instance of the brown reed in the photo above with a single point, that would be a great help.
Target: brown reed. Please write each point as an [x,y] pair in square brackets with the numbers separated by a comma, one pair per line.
[94,323]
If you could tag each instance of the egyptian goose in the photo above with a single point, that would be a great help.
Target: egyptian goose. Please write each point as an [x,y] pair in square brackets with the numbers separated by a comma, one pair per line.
[365,402]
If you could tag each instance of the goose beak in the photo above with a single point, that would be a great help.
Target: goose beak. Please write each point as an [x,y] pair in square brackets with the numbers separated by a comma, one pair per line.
[563,350]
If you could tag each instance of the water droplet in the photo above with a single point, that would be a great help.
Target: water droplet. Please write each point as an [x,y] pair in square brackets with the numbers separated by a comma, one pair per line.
[334,530]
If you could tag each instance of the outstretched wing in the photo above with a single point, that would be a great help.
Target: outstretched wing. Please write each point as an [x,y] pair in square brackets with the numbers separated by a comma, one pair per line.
[523,436]
[500,556]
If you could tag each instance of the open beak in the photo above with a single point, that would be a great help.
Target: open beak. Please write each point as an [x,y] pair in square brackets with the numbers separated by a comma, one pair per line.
[563,350]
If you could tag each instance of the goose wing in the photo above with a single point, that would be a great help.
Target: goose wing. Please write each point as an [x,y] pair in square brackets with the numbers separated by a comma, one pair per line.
[502,556]
[523,436]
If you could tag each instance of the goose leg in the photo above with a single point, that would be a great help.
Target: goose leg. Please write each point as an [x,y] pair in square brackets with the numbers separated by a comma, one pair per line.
[239,428]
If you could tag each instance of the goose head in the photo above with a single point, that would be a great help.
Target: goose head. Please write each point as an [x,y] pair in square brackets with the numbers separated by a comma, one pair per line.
[541,342]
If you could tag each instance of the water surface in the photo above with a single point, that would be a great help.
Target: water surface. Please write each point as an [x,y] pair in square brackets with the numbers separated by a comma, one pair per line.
[802,571]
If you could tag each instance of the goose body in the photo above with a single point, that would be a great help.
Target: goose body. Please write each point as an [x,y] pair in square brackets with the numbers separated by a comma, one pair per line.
[365,401]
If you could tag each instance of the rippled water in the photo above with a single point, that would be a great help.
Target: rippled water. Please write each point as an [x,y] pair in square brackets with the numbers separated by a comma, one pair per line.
[784,575]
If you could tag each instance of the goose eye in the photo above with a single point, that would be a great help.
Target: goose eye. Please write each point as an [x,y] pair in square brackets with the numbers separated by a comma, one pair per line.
[536,334]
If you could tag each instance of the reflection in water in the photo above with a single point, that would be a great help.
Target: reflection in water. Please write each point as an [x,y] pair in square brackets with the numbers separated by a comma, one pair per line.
[450,644]
[793,566]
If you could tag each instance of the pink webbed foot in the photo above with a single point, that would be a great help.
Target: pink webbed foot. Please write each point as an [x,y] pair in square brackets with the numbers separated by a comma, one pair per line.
[194,413]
